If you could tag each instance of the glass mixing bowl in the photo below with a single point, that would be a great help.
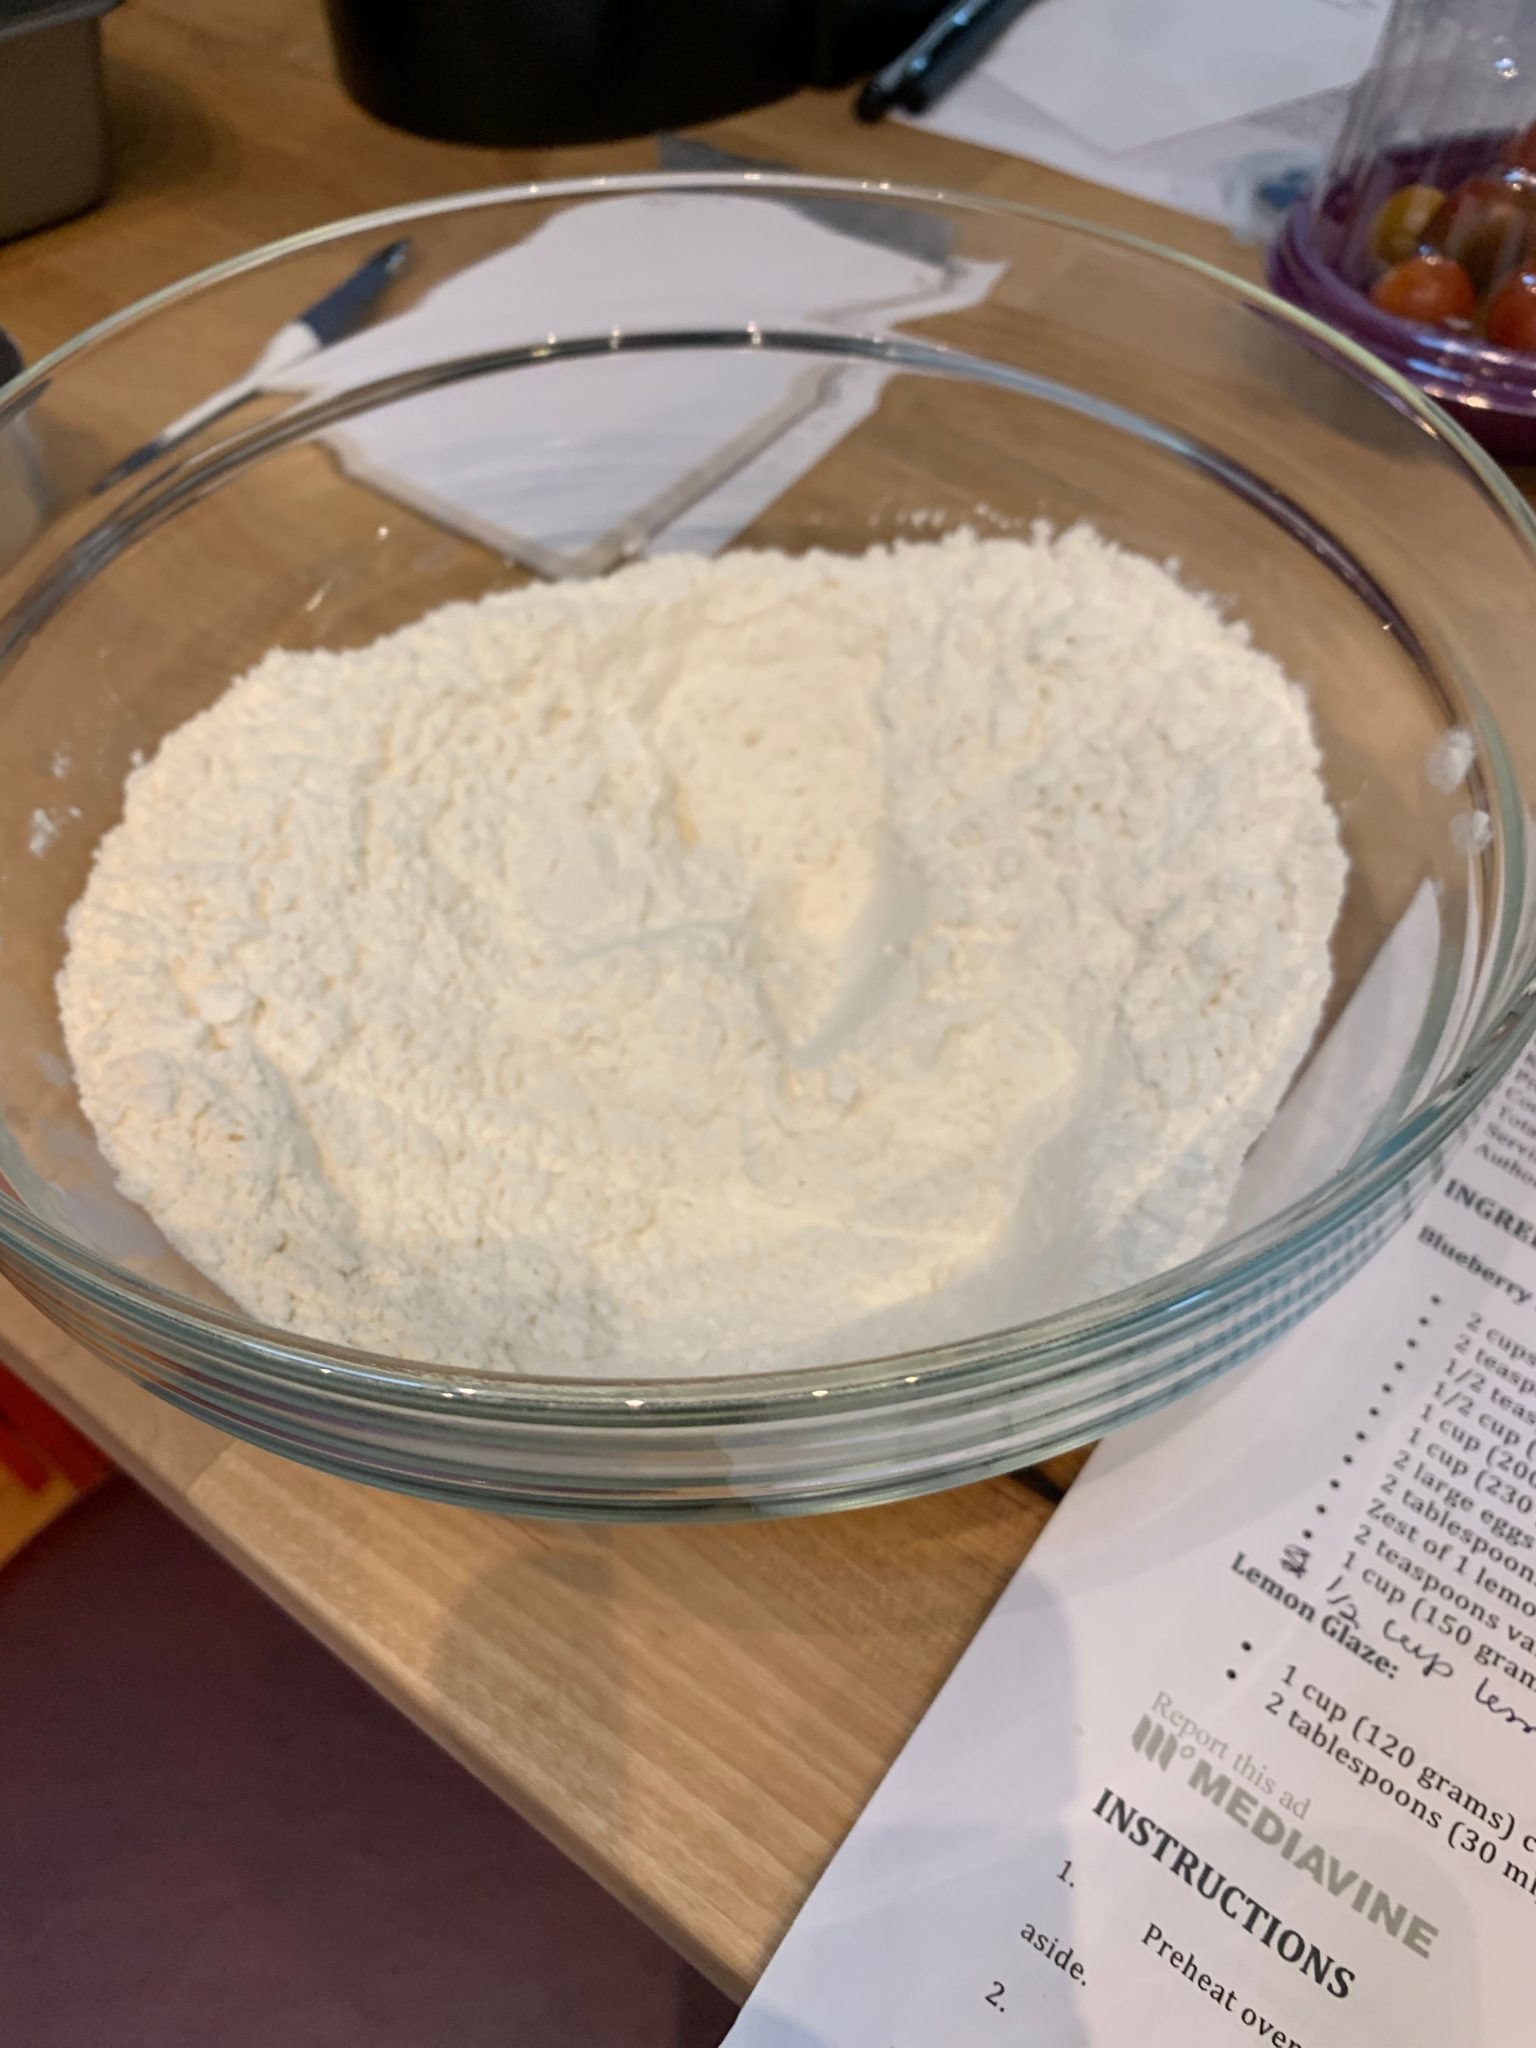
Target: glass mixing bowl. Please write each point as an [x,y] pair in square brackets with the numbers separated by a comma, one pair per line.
[564,377]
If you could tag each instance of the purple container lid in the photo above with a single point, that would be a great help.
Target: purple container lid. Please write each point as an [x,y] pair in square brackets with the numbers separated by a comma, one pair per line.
[1490,392]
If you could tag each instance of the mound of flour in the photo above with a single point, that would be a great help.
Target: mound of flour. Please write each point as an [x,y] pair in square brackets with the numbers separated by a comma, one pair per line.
[726,964]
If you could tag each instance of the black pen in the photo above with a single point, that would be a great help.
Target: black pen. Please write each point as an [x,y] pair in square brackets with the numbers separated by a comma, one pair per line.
[942,55]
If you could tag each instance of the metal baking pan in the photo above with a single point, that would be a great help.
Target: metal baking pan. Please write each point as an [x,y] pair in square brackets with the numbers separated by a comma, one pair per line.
[53,130]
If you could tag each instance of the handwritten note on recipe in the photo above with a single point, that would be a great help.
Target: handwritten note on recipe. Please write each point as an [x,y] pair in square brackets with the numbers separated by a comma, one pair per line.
[1247,1751]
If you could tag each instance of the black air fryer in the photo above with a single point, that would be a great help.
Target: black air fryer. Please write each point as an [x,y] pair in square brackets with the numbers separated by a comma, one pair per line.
[537,73]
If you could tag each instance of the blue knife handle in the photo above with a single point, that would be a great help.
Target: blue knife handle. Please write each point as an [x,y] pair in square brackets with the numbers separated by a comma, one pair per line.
[344,309]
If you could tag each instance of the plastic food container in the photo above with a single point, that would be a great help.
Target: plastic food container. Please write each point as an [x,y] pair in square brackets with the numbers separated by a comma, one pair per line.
[1419,237]
[53,133]
[1030,368]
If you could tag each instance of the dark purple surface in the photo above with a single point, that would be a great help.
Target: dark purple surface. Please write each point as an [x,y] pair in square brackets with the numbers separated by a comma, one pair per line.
[213,1836]
[1318,262]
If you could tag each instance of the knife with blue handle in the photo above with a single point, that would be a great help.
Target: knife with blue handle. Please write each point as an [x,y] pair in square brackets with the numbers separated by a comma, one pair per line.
[329,319]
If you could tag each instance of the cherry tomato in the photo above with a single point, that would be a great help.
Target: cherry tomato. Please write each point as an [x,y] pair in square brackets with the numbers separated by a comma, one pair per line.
[1428,289]
[1398,230]
[1521,149]
[1486,225]
[1511,319]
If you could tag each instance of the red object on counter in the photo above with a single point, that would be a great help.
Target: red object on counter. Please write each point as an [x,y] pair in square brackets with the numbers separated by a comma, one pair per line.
[1428,288]
[1487,225]
[1511,319]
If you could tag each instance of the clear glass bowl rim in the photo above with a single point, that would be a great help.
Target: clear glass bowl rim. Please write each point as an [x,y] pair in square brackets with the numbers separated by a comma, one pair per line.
[1034,1353]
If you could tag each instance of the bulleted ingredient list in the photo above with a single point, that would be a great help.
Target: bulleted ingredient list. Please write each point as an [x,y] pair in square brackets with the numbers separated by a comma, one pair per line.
[1247,1751]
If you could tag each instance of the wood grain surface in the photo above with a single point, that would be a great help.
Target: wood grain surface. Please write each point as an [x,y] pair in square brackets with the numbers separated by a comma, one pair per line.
[696,1714]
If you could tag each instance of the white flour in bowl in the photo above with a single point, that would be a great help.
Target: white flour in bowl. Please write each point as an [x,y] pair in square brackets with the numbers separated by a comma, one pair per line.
[722,965]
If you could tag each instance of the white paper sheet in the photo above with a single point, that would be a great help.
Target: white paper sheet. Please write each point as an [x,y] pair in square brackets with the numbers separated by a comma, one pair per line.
[1196,104]
[1247,1751]
[1212,173]
[568,465]
[1122,74]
